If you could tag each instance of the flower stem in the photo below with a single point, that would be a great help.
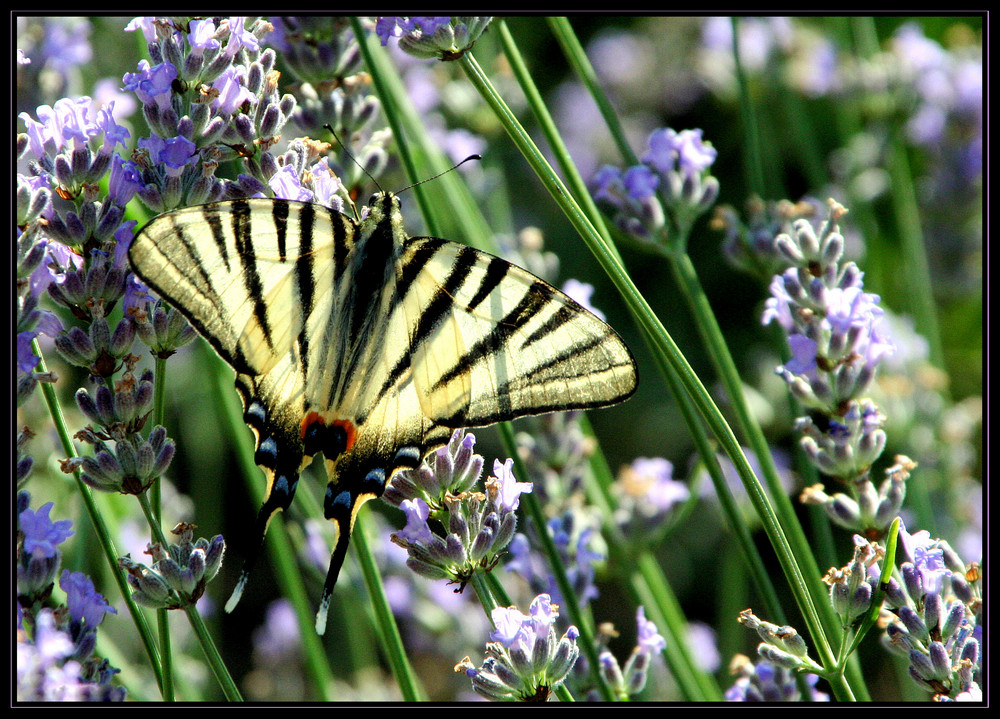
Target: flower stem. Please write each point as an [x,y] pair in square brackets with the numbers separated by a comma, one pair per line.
[100,527]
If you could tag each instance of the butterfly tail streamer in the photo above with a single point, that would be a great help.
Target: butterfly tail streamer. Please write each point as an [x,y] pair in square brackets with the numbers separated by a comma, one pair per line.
[341,507]
[278,498]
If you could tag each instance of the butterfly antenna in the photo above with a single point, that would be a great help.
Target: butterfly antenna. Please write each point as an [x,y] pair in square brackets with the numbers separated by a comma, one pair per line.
[343,145]
[445,172]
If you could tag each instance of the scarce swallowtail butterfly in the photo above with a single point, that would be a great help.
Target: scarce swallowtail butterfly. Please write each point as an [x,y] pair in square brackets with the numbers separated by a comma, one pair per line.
[355,340]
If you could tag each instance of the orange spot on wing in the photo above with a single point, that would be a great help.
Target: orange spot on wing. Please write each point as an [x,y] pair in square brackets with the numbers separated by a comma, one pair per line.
[348,427]
[345,424]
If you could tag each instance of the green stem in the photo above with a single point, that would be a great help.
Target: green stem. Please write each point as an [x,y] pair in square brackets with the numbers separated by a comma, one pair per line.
[212,656]
[385,622]
[154,518]
[580,192]
[97,521]
[580,63]
[751,134]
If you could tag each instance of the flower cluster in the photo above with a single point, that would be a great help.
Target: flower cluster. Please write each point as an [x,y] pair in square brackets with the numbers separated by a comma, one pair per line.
[782,646]
[934,617]
[749,245]
[180,571]
[526,659]
[852,586]
[443,38]
[55,649]
[478,525]
[658,199]
[837,340]
[38,553]
[316,49]
[64,222]
[865,507]
[632,679]
[767,682]
[209,94]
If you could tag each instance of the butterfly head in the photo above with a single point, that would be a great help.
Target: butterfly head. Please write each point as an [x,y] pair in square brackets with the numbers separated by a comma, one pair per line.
[382,205]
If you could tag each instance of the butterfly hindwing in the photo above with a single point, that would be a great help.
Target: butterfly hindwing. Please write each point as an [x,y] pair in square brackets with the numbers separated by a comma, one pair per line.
[357,341]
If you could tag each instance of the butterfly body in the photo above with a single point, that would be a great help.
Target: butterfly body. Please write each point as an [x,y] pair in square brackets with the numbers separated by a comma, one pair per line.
[355,340]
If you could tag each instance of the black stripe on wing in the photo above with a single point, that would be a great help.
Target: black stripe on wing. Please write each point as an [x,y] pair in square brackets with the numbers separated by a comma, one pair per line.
[305,280]
[242,227]
[440,306]
[538,295]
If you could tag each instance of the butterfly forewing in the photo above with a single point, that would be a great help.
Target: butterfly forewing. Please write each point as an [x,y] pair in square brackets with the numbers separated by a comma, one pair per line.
[365,344]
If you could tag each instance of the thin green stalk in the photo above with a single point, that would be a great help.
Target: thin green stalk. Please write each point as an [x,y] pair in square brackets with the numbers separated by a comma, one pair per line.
[888,565]
[580,63]
[97,520]
[693,682]
[686,278]
[497,591]
[552,136]
[582,621]
[385,622]
[751,134]
[484,592]
[919,285]
[212,655]
[154,518]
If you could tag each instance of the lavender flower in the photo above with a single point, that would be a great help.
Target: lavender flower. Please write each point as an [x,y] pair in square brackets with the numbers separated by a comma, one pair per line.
[44,672]
[768,682]
[444,38]
[38,549]
[180,571]
[657,200]
[837,340]
[934,619]
[55,649]
[316,49]
[632,679]
[647,493]
[478,525]
[210,95]
[867,511]
[525,659]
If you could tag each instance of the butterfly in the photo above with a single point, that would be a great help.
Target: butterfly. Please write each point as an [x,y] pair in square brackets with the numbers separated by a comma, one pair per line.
[353,339]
